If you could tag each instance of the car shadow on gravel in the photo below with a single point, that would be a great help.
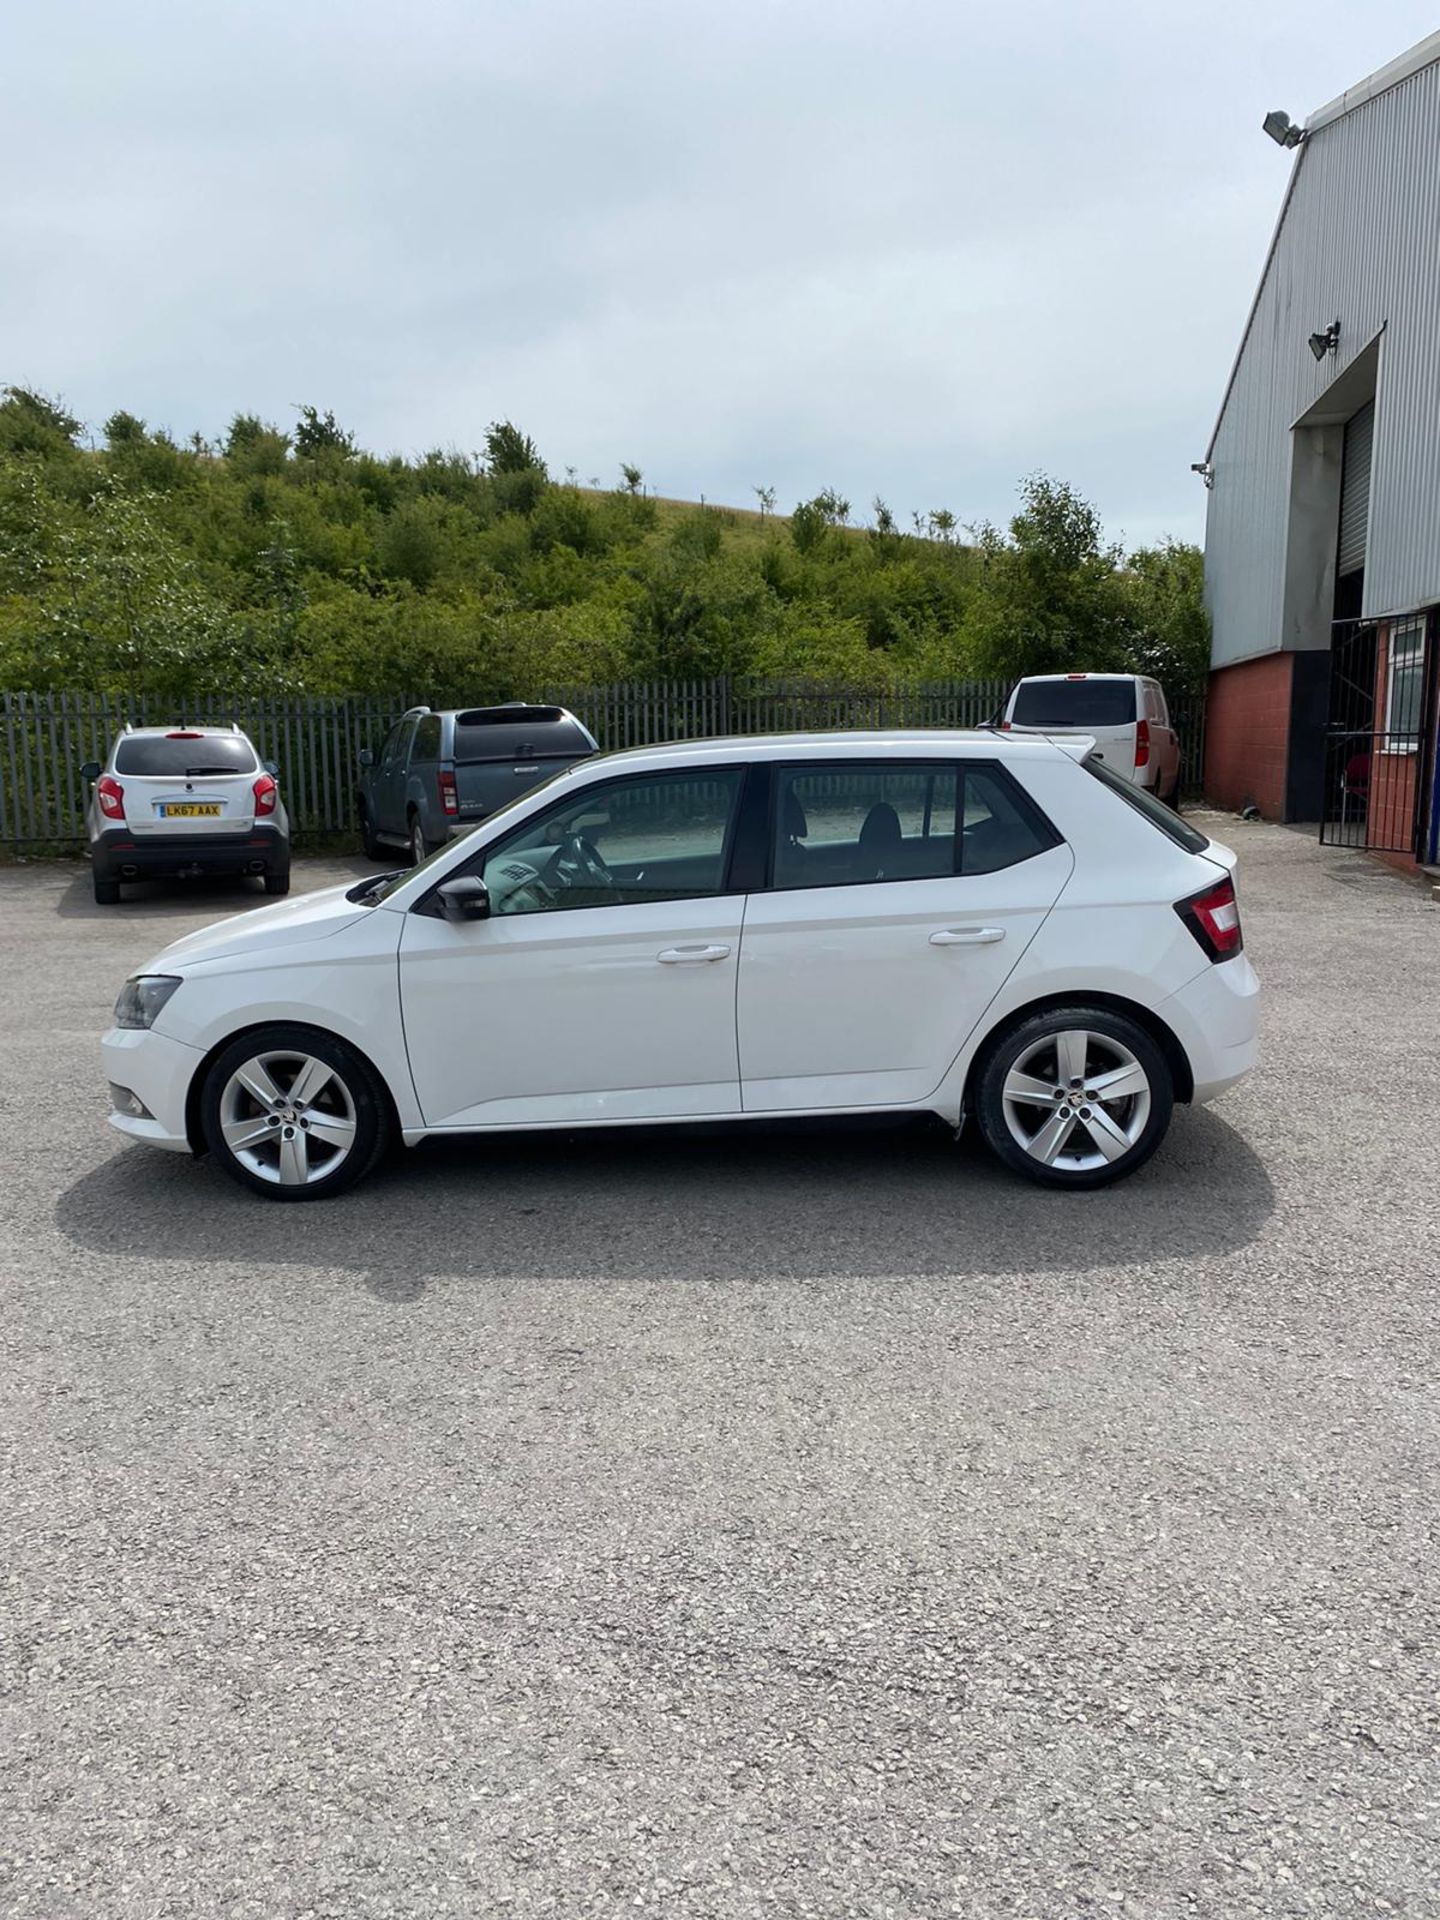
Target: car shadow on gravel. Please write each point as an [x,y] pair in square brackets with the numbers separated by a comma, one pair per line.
[744,1203]
[216,896]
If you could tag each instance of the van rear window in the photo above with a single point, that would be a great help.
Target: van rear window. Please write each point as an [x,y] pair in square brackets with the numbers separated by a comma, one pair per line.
[1155,811]
[1074,703]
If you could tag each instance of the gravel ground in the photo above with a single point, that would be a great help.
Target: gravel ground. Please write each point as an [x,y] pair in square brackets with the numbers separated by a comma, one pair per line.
[808,1524]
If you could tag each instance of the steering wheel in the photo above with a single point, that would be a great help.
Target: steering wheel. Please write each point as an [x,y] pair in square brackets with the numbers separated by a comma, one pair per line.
[579,863]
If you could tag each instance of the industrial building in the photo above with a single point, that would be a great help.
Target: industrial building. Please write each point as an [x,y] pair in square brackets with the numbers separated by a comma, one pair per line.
[1322,543]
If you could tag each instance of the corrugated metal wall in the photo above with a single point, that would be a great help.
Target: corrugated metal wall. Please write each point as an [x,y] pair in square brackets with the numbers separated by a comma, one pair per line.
[1361,240]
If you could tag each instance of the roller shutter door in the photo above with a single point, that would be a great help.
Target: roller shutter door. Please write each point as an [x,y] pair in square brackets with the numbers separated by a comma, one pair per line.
[1355,491]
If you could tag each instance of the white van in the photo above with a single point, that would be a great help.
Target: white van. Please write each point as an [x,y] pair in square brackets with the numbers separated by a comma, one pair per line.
[1125,714]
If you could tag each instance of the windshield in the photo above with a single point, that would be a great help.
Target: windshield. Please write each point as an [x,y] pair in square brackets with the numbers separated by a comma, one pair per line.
[391,883]
[1074,703]
[170,756]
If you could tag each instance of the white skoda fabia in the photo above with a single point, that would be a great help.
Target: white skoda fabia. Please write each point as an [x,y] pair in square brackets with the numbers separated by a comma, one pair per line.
[956,923]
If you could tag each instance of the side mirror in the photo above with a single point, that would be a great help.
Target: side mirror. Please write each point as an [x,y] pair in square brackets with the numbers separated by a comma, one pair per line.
[91,770]
[367,758]
[467,898]
[272,767]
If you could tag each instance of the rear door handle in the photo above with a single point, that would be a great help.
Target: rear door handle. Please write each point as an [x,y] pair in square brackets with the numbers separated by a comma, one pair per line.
[690,956]
[967,937]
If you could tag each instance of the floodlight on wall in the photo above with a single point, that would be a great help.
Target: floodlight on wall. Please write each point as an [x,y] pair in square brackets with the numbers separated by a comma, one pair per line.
[1326,342]
[1282,129]
[1205,471]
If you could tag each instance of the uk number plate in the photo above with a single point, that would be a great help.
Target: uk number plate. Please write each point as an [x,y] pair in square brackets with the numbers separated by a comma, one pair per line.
[191,810]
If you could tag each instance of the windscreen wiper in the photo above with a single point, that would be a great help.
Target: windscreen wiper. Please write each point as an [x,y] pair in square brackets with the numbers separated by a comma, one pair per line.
[361,893]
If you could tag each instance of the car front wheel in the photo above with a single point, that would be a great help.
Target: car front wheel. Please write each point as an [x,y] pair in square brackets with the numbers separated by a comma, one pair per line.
[293,1114]
[1074,1097]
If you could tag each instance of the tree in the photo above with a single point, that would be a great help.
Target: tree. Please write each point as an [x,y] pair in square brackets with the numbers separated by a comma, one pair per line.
[766,497]
[319,434]
[632,476]
[508,450]
[124,430]
[1050,596]
[1165,587]
[942,523]
[31,422]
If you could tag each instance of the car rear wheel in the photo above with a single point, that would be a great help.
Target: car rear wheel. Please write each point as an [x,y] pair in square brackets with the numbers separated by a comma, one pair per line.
[419,846]
[107,892]
[294,1114]
[373,848]
[277,884]
[1074,1097]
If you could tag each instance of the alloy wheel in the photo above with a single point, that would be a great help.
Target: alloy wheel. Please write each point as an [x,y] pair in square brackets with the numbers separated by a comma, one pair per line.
[1076,1100]
[288,1118]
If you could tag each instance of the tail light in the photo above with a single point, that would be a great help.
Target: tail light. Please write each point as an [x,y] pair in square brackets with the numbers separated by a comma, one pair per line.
[111,796]
[267,792]
[1005,726]
[449,795]
[1142,743]
[1214,919]
[185,733]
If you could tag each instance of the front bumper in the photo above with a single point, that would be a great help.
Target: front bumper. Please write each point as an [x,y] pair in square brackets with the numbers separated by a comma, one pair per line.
[157,1071]
[1216,1018]
[120,855]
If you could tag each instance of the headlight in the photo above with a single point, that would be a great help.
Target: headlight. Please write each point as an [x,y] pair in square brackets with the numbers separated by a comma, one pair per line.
[142,997]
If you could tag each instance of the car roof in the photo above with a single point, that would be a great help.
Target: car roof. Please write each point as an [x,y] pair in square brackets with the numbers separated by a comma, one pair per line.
[913,743]
[228,729]
[1031,677]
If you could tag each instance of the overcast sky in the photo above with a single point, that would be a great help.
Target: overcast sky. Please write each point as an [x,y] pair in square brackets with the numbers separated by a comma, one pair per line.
[916,249]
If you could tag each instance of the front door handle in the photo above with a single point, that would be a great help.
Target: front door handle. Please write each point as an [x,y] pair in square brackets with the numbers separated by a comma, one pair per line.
[690,956]
[967,937]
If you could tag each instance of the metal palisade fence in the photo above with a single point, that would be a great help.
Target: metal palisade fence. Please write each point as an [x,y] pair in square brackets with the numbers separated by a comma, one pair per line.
[45,738]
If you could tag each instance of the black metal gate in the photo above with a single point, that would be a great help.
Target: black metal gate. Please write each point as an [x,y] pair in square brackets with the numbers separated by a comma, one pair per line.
[1380,739]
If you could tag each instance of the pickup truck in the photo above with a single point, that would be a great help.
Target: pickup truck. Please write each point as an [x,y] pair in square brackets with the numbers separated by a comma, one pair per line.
[439,774]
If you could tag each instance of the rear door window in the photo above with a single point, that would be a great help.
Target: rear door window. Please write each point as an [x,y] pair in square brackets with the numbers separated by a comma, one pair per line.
[427,739]
[856,822]
[1074,703]
[171,757]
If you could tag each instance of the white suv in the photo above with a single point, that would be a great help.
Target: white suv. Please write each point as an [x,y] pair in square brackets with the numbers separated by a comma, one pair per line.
[1126,715]
[182,801]
[956,923]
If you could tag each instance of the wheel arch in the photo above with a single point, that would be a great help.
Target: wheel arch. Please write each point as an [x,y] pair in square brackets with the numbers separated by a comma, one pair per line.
[1164,1037]
[194,1130]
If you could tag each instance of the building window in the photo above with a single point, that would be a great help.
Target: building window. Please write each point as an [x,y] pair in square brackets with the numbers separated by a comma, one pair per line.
[1405,690]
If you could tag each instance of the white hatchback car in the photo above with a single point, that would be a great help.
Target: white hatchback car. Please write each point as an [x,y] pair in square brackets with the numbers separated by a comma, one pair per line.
[957,923]
[184,801]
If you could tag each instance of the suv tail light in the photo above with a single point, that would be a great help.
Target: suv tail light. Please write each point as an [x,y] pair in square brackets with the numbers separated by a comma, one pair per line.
[449,795]
[1214,918]
[111,796]
[267,792]
[1142,743]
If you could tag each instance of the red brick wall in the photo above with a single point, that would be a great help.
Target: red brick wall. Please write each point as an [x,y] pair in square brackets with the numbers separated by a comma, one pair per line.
[1247,735]
[1390,818]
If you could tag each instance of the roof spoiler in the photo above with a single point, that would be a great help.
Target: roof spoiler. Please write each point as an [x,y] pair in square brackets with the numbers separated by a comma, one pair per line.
[1078,749]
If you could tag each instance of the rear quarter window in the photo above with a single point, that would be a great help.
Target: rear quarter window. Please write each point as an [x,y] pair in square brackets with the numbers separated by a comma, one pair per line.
[1155,811]
[160,757]
[1074,703]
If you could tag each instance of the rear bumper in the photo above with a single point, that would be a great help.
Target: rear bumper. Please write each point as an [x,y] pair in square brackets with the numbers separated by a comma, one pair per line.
[119,855]
[1216,1018]
[158,1071]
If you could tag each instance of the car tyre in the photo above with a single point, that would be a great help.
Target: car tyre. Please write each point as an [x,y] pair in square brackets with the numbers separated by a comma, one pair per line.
[277,884]
[325,1142]
[373,848]
[107,892]
[420,847]
[1076,1096]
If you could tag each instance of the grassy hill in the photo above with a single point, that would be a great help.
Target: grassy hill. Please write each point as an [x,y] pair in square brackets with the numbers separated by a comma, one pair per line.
[301,562]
